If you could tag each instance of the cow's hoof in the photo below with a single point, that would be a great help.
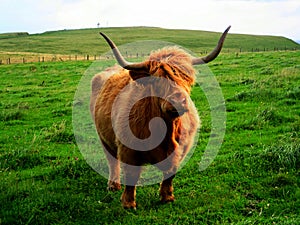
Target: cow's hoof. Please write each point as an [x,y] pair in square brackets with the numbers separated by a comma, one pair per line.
[113,186]
[129,205]
[167,199]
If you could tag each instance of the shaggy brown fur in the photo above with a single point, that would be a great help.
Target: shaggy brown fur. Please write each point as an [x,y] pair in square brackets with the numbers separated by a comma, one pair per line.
[170,63]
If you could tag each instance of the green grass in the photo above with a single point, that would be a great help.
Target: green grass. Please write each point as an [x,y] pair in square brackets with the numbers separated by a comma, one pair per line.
[88,41]
[253,180]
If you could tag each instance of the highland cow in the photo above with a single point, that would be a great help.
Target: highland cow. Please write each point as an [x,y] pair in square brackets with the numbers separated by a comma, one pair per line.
[157,88]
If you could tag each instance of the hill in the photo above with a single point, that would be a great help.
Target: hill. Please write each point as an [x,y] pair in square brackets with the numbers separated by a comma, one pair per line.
[14,34]
[88,41]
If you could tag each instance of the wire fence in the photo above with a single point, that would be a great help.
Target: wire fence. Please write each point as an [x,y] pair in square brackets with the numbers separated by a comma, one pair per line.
[60,58]
[17,59]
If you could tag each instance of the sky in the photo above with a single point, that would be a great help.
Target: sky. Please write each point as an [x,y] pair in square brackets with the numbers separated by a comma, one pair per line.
[262,17]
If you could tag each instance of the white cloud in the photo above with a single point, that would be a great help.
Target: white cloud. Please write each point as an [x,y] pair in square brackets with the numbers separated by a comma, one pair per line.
[254,17]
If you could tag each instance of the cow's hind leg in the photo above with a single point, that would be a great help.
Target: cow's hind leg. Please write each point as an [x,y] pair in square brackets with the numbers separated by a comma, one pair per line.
[114,169]
[166,189]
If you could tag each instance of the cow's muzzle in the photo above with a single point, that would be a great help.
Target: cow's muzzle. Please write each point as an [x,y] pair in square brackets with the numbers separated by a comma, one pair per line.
[176,104]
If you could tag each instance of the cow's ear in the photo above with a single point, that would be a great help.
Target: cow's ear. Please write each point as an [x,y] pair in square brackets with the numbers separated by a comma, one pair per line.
[138,74]
[151,68]
[142,72]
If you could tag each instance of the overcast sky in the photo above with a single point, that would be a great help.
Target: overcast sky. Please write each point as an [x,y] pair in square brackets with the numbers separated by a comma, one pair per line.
[266,17]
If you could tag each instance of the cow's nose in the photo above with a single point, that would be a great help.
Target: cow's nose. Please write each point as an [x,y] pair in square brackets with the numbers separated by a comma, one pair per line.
[183,102]
[178,99]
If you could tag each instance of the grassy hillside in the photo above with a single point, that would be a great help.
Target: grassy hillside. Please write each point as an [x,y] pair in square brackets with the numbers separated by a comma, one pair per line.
[88,41]
[253,180]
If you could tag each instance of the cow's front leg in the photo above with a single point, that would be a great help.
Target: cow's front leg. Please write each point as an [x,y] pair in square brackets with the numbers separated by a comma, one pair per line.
[114,175]
[131,176]
[166,190]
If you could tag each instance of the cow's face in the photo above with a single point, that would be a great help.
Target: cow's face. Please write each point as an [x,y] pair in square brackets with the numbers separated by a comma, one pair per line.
[173,99]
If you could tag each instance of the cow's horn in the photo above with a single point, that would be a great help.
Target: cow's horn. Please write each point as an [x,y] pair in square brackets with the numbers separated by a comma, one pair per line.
[211,56]
[120,58]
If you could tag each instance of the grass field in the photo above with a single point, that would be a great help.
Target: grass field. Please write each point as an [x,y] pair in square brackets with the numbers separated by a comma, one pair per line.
[255,178]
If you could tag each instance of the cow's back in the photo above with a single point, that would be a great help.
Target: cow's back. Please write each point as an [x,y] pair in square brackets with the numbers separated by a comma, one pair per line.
[105,87]
[97,83]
